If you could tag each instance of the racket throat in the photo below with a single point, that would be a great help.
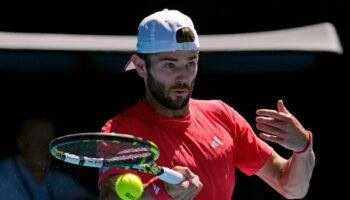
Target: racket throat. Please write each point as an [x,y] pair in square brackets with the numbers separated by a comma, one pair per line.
[149,168]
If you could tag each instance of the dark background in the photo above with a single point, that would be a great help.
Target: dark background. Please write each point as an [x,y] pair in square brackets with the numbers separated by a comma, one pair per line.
[81,90]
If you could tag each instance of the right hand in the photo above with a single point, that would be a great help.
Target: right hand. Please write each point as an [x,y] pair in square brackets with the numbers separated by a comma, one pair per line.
[187,189]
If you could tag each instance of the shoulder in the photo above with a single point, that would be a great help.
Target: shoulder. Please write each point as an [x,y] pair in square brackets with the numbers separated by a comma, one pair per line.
[67,186]
[6,166]
[9,179]
[126,119]
[58,177]
[214,105]
[207,103]
[218,109]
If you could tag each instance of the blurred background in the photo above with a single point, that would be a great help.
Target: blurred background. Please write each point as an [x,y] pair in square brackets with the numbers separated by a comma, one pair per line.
[81,90]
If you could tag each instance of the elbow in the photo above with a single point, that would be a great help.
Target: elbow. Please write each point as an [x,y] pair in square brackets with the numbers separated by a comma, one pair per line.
[298,192]
[293,196]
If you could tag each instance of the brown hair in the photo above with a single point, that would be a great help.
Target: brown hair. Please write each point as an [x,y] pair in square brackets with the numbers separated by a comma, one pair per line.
[184,35]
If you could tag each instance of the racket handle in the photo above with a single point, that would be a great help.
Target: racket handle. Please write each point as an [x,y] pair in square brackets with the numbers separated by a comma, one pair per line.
[171,176]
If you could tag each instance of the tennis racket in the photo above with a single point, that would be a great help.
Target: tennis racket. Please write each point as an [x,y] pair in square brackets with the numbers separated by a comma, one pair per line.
[112,150]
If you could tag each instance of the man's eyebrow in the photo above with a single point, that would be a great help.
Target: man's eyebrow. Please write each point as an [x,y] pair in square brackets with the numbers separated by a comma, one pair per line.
[175,59]
[168,59]
[193,57]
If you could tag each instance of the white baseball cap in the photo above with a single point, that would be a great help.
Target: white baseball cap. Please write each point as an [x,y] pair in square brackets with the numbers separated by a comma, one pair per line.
[157,33]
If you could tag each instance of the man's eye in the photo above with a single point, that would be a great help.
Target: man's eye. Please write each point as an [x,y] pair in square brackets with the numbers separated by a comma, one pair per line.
[169,65]
[191,64]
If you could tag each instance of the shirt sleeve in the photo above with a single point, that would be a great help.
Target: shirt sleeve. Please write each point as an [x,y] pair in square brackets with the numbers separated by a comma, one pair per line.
[251,151]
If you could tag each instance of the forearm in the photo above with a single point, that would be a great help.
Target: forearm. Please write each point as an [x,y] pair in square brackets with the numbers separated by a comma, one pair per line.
[291,178]
[295,179]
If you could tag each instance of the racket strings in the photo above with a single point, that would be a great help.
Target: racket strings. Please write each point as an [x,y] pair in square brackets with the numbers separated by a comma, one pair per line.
[121,151]
[109,151]
[83,149]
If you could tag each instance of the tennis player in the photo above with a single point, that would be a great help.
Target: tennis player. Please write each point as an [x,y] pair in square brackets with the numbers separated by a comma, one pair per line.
[205,140]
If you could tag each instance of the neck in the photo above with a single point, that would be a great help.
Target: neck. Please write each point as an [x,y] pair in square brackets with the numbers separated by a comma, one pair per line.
[159,108]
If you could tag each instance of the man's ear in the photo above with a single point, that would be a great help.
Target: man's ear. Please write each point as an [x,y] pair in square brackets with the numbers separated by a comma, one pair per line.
[140,65]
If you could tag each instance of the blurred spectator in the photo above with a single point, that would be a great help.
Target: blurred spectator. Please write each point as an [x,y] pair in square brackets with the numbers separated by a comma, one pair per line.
[29,175]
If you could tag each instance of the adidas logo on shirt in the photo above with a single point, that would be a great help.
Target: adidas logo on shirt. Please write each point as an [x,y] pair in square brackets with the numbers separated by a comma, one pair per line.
[155,188]
[216,142]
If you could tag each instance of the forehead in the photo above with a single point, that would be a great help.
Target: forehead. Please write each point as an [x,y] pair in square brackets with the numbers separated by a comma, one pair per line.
[179,54]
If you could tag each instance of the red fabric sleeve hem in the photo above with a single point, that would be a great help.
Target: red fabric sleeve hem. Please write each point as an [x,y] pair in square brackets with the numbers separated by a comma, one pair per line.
[263,161]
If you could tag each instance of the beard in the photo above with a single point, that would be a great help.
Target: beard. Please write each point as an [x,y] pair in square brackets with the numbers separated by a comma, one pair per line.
[160,93]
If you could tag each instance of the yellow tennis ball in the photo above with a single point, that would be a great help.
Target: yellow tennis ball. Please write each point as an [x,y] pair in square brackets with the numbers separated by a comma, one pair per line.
[129,186]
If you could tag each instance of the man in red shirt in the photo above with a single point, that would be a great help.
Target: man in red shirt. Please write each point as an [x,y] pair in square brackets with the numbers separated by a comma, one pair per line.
[205,140]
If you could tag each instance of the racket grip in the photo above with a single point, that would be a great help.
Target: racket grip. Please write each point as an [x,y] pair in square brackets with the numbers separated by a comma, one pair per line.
[171,176]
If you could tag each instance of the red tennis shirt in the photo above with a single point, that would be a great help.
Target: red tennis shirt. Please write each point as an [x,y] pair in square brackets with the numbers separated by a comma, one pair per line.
[211,140]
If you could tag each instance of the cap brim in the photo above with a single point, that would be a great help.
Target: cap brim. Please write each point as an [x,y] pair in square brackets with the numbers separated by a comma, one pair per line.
[130,65]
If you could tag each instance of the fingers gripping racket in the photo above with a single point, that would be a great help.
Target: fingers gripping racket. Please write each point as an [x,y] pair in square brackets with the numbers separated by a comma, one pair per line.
[112,150]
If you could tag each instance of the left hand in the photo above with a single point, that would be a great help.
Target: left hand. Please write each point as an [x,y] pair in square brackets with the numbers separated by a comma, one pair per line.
[281,127]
